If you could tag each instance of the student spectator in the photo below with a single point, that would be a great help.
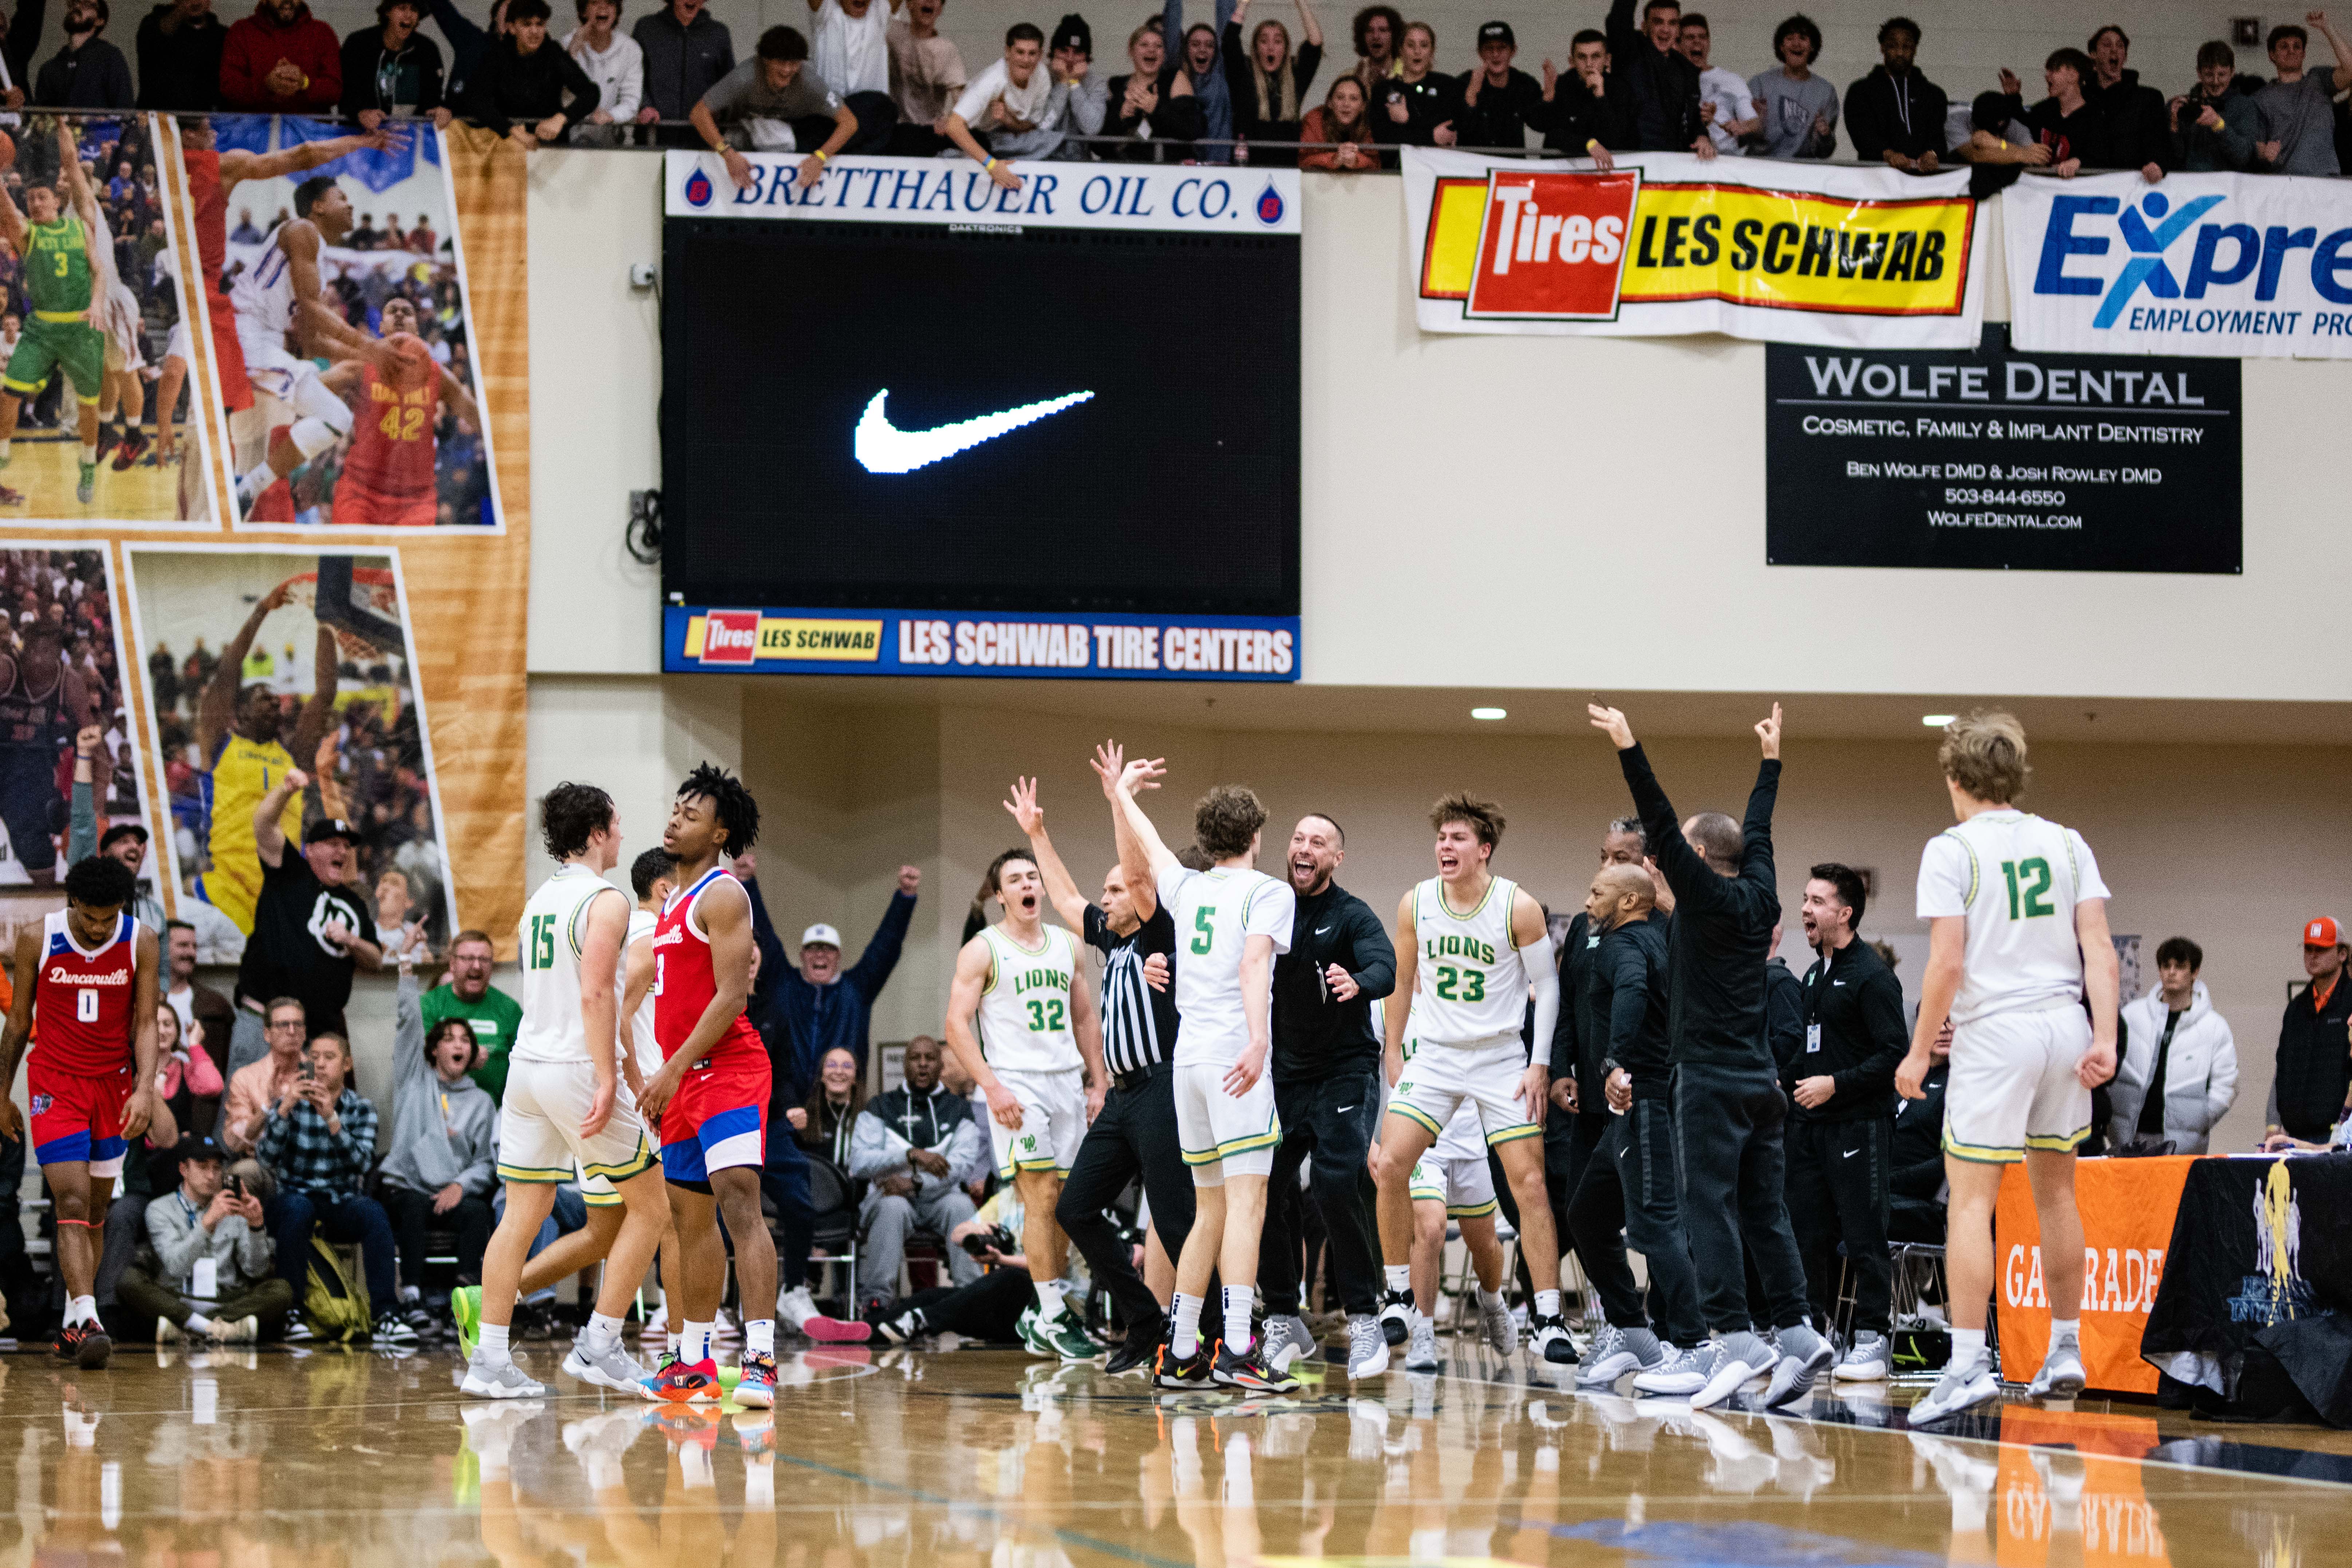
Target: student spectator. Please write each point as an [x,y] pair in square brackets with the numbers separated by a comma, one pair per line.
[1155,100]
[468,993]
[1377,31]
[1269,84]
[211,1275]
[2064,122]
[1499,101]
[774,102]
[1081,97]
[1799,109]
[88,72]
[391,69]
[1015,104]
[2137,135]
[2179,1074]
[1200,56]
[281,60]
[2215,124]
[468,42]
[687,54]
[442,1162]
[2298,111]
[318,1139]
[849,46]
[916,1145]
[615,63]
[187,1079]
[255,1087]
[1663,107]
[1732,115]
[1583,118]
[1895,115]
[1342,118]
[826,1122]
[1417,107]
[525,89]
[179,50]
[205,1014]
[927,76]
[2313,1079]
[309,926]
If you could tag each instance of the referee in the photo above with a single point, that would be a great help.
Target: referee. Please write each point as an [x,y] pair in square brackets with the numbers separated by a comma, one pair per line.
[1135,1133]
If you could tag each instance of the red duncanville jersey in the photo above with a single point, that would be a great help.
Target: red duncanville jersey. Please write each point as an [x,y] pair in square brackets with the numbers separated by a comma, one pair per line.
[684,984]
[210,200]
[82,1000]
[391,431]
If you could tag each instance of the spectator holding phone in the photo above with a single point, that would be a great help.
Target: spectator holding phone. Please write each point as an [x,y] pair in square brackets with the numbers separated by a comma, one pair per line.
[212,1277]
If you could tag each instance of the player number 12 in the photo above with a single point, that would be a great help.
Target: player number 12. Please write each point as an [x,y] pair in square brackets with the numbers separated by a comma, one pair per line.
[2028,888]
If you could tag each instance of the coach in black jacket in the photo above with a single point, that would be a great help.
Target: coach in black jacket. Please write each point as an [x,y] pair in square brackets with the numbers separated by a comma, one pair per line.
[2314,1077]
[1728,1111]
[1325,1066]
[1842,1081]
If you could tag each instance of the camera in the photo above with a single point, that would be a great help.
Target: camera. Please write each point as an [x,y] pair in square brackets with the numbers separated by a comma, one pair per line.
[995,1236]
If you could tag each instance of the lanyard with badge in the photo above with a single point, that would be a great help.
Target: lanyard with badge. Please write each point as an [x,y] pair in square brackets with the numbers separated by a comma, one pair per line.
[1813,1008]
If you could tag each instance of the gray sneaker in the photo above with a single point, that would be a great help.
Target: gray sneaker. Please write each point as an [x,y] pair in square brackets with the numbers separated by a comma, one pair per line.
[1497,1327]
[1421,1355]
[1681,1371]
[2060,1376]
[1614,1352]
[1864,1360]
[1733,1361]
[611,1367]
[1367,1348]
[1288,1339]
[1804,1355]
[1961,1388]
[499,1379]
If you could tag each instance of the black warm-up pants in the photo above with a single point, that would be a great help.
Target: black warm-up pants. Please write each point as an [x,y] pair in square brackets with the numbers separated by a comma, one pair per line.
[1630,1198]
[1331,1121]
[1837,1193]
[1728,1128]
[1134,1136]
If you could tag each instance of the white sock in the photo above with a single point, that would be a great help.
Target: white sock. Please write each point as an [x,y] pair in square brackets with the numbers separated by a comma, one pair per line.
[82,1309]
[1399,1276]
[1184,1312]
[1547,1304]
[4,450]
[1238,1300]
[492,1337]
[198,1324]
[1049,1297]
[1967,1350]
[603,1333]
[695,1346]
[671,1341]
[1489,1297]
[760,1336]
[90,451]
[2065,1332]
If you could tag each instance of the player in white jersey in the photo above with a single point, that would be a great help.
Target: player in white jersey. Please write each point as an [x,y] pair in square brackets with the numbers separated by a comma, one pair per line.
[283,295]
[1026,1030]
[2018,941]
[1471,949]
[1453,1181]
[566,1108]
[1231,920]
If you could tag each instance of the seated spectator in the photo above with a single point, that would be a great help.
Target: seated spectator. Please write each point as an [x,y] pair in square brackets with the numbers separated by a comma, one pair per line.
[2215,124]
[1341,118]
[1582,117]
[927,76]
[466,993]
[688,52]
[2178,1076]
[392,68]
[2138,136]
[1202,61]
[206,1016]
[443,1159]
[179,50]
[525,89]
[1723,98]
[245,233]
[849,46]
[1499,100]
[318,1138]
[422,240]
[1663,109]
[1916,1154]
[188,1079]
[2064,122]
[1799,111]
[1155,99]
[1002,109]
[366,236]
[827,1122]
[917,1146]
[773,103]
[2298,108]
[1267,85]
[281,60]
[255,1087]
[308,925]
[88,72]
[1895,115]
[1417,107]
[614,63]
[1377,31]
[212,1275]
[1081,97]
[988,1308]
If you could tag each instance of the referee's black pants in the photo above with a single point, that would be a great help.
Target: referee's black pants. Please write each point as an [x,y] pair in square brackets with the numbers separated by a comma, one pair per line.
[1331,1122]
[1837,1193]
[1134,1136]
[1727,1129]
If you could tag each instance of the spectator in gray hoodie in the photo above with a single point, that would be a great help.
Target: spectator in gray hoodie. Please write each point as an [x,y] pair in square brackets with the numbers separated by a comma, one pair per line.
[443,1159]
[212,1275]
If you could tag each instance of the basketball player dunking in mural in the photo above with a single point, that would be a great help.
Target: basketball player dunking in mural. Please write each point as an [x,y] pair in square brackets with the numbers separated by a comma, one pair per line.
[43,703]
[388,479]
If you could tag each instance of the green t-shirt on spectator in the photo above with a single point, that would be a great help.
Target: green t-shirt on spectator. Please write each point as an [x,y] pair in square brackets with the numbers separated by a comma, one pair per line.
[496,1019]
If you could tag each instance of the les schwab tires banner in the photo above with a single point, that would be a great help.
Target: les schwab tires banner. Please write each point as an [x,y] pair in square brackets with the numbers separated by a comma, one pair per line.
[1665,244]
[2231,266]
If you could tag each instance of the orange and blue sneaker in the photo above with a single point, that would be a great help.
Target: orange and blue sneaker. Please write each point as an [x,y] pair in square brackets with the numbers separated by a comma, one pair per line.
[683,1382]
[84,1345]
[755,1384]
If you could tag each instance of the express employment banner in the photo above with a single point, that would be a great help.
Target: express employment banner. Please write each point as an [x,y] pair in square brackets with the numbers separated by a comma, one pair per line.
[1665,244]
[2233,266]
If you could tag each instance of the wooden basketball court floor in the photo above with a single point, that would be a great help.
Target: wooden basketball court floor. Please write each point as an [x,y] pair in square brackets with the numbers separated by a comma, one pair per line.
[335,1458]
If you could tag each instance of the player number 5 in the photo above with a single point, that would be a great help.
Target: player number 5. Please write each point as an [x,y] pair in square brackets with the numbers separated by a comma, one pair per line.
[1202,923]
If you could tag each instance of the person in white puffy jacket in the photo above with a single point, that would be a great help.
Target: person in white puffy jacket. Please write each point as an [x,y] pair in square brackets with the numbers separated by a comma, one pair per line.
[2177,1042]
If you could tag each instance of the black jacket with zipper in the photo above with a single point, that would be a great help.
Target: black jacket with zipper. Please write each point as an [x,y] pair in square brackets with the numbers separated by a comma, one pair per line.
[1858,1003]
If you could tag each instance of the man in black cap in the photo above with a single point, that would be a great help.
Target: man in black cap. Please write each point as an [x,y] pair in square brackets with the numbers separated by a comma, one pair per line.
[311,928]
[213,1277]
[1499,100]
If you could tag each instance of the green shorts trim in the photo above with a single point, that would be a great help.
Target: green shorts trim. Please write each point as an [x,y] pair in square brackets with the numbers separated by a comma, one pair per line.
[536,1174]
[78,346]
[2066,1143]
[1011,1168]
[1512,1135]
[1397,1107]
[1233,1146]
[601,1200]
[637,1164]
[1427,1193]
[1472,1211]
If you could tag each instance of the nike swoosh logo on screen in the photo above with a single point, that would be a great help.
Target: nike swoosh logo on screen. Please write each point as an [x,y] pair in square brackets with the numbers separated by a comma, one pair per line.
[881,447]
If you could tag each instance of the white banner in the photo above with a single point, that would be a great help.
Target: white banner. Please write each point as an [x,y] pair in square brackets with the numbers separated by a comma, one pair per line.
[1198,198]
[2232,265]
[1668,245]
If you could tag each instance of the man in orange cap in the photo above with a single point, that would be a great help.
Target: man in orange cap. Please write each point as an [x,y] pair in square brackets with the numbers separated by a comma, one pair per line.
[2315,1049]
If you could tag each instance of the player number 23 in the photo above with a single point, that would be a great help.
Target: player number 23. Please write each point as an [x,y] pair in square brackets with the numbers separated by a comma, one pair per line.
[1461,984]
[1045,1017]
[1203,927]
[2028,888]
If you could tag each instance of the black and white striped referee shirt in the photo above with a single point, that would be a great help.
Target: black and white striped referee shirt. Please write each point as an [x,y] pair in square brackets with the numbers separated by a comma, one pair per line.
[1138,1024]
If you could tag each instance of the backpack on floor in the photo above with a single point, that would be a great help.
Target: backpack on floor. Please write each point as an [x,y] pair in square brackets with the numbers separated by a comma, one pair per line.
[334,1304]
